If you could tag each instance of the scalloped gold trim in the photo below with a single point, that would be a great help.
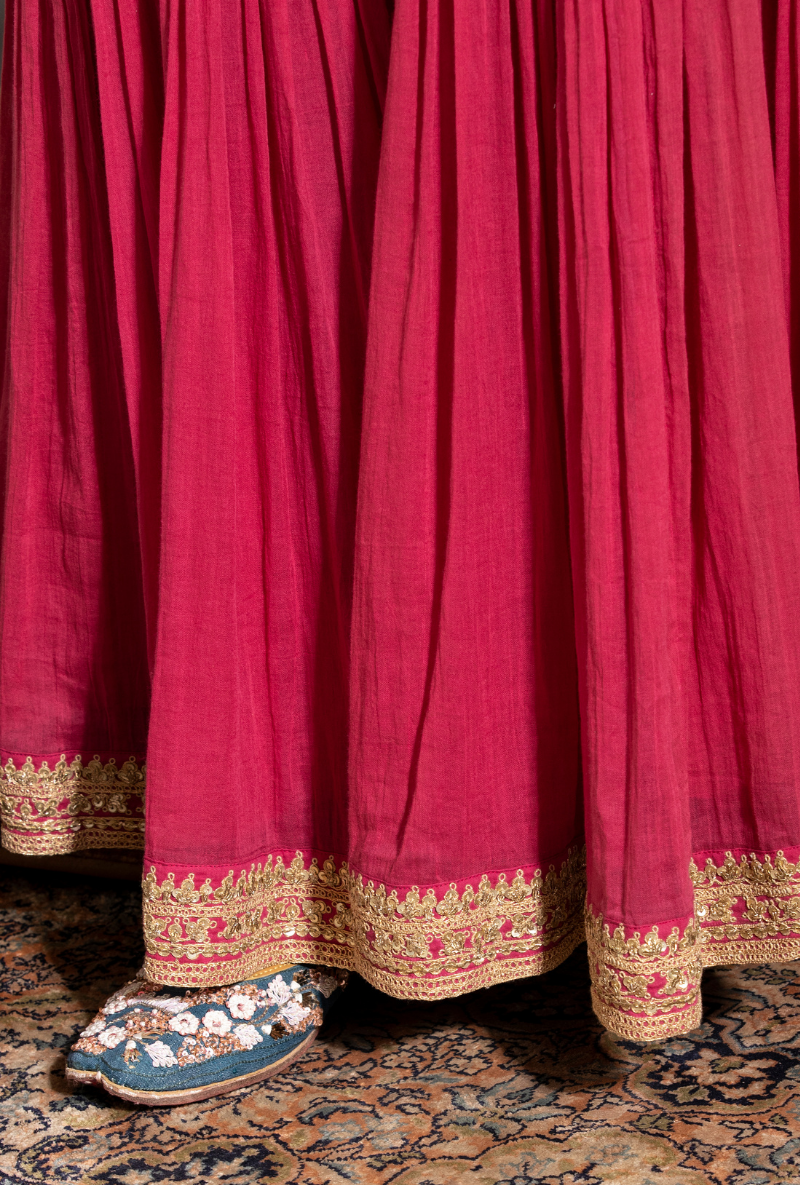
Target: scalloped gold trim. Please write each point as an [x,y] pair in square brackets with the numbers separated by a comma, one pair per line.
[71,807]
[748,900]
[647,988]
[418,947]
[648,1028]
[745,911]
[428,946]
[425,946]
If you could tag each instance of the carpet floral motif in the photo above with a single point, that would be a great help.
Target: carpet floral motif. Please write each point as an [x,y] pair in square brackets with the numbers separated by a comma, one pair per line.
[512,1085]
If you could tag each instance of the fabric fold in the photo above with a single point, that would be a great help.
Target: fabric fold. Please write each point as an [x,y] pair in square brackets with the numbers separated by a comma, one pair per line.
[400,453]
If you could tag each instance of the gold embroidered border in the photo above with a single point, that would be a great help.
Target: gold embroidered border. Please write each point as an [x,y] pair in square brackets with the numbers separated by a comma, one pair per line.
[747,903]
[418,947]
[645,989]
[424,946]
[745,911]
[72,806]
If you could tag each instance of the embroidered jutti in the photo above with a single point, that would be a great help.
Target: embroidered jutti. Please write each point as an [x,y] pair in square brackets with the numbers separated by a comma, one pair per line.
[401,516]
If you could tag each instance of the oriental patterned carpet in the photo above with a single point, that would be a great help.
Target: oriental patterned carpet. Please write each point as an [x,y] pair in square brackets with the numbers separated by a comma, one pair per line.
[508,1086]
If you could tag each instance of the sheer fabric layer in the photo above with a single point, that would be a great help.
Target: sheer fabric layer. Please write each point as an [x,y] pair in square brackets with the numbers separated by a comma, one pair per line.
[400,452]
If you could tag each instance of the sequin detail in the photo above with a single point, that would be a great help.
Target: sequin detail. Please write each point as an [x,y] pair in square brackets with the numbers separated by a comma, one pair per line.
[420,945]
[194,1026]
[746,910]
[48,812]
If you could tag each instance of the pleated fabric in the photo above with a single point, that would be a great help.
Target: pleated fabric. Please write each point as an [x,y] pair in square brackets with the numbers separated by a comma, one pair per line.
[400,457]
[683,499]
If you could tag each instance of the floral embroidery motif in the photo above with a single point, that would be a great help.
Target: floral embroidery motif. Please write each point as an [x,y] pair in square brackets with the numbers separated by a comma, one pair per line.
[241,1006]
[423,944]
[155,1017]
[745,911]
[645,988]
[744,904]
[217,1022]
[160,1054]
[420,946]
[186,1024]
[111,1037]
[248,1035]
[71,806]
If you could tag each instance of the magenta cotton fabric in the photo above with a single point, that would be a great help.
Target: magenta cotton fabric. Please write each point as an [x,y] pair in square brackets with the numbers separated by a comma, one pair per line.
[399,443]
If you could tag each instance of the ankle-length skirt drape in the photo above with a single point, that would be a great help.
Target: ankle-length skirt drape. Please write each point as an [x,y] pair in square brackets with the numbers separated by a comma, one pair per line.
[401,516]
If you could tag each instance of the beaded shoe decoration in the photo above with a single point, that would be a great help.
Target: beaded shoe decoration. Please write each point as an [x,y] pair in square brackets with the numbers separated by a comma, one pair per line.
[160,1046]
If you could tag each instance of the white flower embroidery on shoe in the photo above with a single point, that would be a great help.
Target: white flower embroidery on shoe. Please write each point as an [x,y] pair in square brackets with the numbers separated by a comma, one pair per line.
[186,1023]
[161,1054]
[294,1013]
[97,1026]
[120,999]
[278,991]
[247,1035]
[217,1022]
[111,1037]
[280,1010]
[240,1006]
[136,992]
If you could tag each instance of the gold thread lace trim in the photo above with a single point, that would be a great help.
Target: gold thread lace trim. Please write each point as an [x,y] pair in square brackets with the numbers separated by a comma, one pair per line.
[72,806]
[426,946]
[644,988]
[745,911]
[417,946]
[648,1028]
[746,901]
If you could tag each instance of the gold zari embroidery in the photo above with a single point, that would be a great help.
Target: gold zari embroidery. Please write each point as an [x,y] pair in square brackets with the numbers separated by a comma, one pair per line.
[645,988]
[745,911]
[420,946]
[72,806]
[424,946]
[745,901]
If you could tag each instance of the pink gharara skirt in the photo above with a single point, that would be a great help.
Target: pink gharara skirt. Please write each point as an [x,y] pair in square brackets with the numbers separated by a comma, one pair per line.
[399,453]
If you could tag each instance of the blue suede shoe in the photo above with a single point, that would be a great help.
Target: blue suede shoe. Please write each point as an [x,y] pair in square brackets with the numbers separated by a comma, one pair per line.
[160,1046]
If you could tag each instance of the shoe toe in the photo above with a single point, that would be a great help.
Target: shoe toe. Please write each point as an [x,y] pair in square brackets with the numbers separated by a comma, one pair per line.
[153,1044]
